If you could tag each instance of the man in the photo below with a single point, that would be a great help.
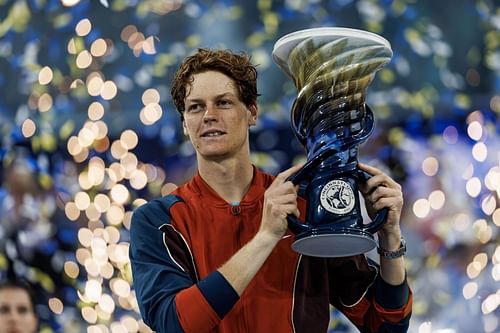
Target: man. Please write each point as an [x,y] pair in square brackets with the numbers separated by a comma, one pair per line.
[215,255]
[17,314]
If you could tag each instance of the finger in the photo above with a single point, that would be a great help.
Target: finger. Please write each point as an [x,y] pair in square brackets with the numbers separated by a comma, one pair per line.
[384,192]
[289,208]
[390,203]
[277,190]
[370,169]
[374,171]
[289,198]
[290,171]
[381,180]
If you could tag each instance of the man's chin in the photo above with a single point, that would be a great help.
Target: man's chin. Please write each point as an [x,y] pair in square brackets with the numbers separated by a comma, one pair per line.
[13,330]
[214,155]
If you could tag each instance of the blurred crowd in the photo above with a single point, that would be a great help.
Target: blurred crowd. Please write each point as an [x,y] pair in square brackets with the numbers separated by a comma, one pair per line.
[88,133]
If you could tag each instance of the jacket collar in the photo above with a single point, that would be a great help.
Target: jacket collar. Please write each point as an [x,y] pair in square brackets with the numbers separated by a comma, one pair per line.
[254,193]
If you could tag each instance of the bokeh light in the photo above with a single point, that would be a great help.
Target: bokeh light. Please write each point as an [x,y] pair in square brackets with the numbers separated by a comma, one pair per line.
[430,166]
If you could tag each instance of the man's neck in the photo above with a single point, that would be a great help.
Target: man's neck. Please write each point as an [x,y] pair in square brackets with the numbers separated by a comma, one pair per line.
[230,178]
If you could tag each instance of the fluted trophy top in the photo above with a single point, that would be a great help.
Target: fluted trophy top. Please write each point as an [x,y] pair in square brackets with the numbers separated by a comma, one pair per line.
[329,49]
[329,65]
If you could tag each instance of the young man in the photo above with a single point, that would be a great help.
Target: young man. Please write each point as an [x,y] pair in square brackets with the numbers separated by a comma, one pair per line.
[215,255]
[17,313]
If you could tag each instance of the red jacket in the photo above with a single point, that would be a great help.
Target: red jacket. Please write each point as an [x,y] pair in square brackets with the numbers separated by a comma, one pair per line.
[178,242]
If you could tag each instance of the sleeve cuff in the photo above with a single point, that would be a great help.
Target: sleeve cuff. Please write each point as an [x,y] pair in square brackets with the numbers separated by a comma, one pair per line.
[389,296]
[219,293]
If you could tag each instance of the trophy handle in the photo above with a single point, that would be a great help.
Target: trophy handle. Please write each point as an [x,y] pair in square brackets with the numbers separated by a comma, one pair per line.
[381,215]
[296,226]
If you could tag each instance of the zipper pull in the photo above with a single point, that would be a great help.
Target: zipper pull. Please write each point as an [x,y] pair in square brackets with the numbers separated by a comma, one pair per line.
[235,208]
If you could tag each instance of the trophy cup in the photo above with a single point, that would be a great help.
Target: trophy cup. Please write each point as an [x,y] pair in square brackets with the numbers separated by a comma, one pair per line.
[332,68]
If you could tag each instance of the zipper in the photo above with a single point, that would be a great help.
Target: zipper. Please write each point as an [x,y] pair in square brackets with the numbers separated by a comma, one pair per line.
[236,212]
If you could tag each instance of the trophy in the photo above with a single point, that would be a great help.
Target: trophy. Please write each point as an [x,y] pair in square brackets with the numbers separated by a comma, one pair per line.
[332,68]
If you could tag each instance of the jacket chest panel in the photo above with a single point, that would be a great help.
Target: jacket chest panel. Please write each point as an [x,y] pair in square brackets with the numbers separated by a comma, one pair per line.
[217,233]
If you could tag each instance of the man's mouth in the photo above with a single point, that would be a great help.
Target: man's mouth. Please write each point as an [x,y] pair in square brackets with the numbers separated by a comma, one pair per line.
[212,134]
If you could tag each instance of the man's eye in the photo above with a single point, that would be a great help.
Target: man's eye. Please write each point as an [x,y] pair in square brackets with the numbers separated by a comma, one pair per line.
[194,108]
[22,310]
[224,102]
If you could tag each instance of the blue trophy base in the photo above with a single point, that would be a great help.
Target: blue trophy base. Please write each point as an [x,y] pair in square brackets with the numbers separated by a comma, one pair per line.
[329,242]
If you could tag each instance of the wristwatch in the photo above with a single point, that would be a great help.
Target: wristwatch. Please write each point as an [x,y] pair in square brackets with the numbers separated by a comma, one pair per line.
[393,254]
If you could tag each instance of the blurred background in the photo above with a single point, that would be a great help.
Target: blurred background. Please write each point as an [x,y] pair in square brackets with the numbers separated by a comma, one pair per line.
[88,132]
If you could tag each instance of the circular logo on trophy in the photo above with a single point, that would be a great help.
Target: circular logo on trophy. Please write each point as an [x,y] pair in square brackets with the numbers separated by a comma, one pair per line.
[337,197]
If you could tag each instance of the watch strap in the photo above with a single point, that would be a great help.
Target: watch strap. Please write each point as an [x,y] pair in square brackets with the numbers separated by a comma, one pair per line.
[393,254]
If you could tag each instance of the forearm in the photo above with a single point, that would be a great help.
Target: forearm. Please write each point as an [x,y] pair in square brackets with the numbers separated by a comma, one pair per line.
[244,265]
[391,270]
[280,200]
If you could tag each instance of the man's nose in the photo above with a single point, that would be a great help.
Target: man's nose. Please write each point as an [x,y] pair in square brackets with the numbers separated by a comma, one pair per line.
[211,113]
[13,316]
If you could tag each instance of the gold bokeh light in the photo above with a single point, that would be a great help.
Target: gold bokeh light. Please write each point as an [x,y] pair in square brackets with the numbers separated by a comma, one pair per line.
[45,75]
[55,305]
[45,102]
[150,96]
[85,236]
[95,85]
[109,90]
[148,46]
[430,166]
[83,59]
[129,139]
[127,32]
[71,210]
[119,193]
[69,3]
[71,269]
[98,47]
[83,27]
[95,111]
[115,214]
[28,128]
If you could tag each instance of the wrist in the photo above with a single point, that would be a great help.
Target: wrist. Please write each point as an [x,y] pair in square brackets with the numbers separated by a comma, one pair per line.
[265,238]
[393,254]
[389,240]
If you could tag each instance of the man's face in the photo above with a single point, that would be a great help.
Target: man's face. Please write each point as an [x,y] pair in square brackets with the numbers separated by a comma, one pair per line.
[16,312]
[215,119]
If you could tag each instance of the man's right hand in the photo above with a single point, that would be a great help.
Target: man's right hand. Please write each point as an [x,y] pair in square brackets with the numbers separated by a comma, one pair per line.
[280,199]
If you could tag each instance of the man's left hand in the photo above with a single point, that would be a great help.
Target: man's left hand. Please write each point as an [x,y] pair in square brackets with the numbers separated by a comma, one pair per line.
[381,191]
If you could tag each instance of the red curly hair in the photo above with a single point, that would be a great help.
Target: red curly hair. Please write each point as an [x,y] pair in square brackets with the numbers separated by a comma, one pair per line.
[236,66]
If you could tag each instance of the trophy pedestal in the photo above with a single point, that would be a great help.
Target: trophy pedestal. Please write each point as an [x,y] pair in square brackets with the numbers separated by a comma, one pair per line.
[329,242]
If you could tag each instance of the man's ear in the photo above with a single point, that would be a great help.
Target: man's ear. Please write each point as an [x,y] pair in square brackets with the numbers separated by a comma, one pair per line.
[254,110]
[184,128]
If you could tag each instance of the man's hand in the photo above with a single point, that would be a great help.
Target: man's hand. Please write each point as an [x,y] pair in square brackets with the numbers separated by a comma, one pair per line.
[381,191]
[280,199]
